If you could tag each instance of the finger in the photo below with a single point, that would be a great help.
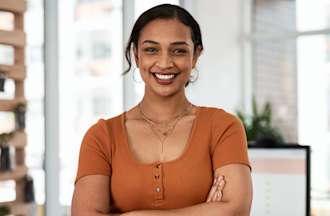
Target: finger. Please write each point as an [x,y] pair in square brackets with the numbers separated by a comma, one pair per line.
[218,196]
[219,193]
[212,192]
[220,186]
[214,195]
[215,186]
[213,189]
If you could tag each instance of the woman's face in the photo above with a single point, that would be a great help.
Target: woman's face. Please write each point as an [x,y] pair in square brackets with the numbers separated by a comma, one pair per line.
[165,56]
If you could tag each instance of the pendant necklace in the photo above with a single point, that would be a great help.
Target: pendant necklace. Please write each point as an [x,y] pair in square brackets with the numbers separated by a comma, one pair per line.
[169,128]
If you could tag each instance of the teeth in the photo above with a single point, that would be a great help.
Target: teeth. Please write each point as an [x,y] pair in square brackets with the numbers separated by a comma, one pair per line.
[164,76]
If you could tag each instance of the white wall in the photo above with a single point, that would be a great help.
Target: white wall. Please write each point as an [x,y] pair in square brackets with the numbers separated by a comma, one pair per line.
[220,80]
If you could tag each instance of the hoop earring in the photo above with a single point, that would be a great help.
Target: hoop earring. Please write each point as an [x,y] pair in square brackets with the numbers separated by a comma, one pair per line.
[194,76]
[134,77]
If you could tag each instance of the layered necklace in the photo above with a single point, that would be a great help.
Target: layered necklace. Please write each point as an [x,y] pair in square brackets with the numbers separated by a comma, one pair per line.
[162,130]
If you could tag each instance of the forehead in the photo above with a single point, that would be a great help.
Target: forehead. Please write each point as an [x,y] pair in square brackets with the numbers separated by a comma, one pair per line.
[166,30]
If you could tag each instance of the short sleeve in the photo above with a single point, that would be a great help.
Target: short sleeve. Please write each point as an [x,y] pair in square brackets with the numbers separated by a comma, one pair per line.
[229,143]
[95,152]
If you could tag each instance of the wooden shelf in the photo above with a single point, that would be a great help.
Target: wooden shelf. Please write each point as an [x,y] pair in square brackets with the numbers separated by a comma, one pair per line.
[13,38]
[15,72]
[18,140]
[18,208]
[21,208]
[15,6]
[9,105]
[18,173]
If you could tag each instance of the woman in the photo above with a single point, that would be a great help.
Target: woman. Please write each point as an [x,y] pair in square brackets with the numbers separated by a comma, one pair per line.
[164,156]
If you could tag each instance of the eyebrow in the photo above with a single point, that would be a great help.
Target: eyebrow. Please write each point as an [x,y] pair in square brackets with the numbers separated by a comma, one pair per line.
[173,43]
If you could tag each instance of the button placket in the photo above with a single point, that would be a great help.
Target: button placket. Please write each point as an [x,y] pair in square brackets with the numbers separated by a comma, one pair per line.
[158,182]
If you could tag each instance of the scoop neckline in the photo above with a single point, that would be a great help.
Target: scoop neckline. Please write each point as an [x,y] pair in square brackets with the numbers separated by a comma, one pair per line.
[189,142]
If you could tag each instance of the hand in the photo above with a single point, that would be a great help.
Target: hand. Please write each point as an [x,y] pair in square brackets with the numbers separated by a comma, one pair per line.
[215,194]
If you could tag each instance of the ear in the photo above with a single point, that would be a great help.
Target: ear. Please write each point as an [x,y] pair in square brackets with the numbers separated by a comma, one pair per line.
[136,57]
[197,53]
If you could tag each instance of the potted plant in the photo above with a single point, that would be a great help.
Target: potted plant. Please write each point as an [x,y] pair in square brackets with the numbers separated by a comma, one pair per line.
[5,163]
[2,82]
[4,138]
[28,189]
[20,111]
[258,126]
[4,210]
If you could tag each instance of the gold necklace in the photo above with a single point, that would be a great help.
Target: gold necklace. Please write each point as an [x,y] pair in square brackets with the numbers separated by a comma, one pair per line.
[169,130]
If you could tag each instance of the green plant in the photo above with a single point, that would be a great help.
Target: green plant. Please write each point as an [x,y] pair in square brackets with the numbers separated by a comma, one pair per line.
[20,107]
[4,138]
[258,126]
[4,210]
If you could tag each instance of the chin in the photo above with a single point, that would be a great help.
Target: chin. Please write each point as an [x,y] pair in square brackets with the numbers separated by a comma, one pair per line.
[167,91]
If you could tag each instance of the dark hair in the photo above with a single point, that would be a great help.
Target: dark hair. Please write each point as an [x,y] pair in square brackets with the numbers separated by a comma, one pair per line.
[163,11]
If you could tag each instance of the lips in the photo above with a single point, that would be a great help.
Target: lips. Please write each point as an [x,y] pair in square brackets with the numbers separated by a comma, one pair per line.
[164,78]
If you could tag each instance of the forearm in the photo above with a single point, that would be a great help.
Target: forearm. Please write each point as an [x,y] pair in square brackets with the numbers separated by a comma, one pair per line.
[203,209]
[82,212]
[96,214]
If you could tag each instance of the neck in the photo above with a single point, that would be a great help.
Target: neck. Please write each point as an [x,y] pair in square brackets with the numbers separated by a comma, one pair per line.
[163,109]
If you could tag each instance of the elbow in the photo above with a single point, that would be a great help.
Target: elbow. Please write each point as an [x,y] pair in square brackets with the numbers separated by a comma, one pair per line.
[88,212]
[241,212]
[241,209]
[238,211]
[235,209]
[78,210]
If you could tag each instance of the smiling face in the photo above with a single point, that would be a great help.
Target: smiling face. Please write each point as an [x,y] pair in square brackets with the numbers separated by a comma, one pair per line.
[165,56]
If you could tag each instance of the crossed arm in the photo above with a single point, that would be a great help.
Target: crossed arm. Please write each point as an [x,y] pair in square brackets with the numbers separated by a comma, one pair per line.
[235,199]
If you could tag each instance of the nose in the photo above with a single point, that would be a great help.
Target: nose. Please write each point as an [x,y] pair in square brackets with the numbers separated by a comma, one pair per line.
[164,61]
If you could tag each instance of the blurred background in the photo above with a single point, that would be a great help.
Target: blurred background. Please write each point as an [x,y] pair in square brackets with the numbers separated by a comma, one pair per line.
[276,51]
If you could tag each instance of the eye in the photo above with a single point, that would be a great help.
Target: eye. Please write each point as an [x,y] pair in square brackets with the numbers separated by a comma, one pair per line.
[150,50]
[179,51]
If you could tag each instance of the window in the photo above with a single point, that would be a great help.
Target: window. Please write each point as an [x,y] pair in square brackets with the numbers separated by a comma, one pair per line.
[34,91]
[101,50]
[313,90]
[89,77]
[291,49]
[101,102]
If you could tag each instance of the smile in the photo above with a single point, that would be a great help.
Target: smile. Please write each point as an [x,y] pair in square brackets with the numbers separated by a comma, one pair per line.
[164,79]
[164,76]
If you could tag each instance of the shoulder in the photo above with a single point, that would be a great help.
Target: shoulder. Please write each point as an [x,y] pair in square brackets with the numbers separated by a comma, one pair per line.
[99,137]
[220,123]
[102,127]
[218,117]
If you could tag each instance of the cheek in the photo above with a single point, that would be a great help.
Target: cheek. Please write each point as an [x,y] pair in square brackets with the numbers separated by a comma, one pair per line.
[185,64]
[145,62]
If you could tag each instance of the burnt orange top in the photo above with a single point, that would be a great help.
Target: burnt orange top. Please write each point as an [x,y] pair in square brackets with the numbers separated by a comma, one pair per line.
[217,139]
